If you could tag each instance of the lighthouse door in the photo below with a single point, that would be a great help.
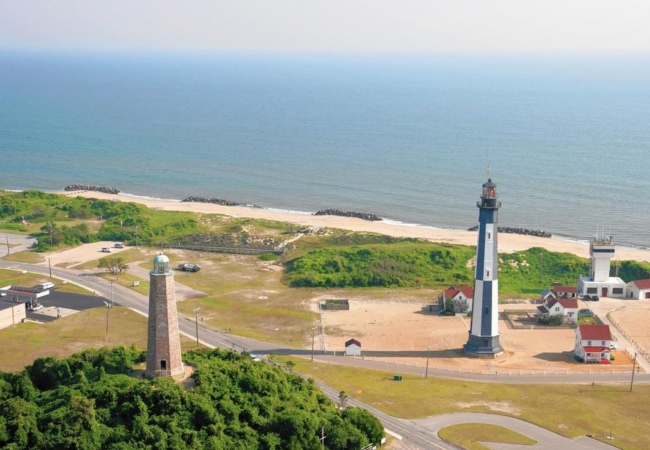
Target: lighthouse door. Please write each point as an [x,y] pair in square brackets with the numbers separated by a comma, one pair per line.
[604,292]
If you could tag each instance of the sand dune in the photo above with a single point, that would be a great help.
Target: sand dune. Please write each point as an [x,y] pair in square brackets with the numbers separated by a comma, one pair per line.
[507,242]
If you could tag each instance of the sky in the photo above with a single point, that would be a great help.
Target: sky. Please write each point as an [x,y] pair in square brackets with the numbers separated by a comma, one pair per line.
[332,26]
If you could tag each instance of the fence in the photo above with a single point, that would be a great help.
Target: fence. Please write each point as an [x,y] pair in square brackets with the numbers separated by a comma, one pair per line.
[639,348]
[234,250]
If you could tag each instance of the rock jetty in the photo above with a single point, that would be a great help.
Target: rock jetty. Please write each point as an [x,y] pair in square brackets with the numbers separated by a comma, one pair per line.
[216,201]
[87,187]
[339,212]
[525,231]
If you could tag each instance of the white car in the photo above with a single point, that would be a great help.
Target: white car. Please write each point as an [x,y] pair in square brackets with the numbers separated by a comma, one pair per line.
[106,250]
[612,346]
[35,307]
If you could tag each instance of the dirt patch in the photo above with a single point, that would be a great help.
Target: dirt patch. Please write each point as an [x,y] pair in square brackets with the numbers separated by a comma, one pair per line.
[504,407]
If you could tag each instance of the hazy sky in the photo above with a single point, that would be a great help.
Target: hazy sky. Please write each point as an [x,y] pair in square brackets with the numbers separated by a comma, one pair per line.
[400,26]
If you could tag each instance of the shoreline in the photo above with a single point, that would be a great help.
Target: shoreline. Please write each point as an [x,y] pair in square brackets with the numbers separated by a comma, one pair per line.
[507,242]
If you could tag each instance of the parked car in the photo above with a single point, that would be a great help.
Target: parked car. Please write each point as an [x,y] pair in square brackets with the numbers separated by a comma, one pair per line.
[594,298]
[35,306]
[106,250]
[586,313]
[587,297]
[3,294]
[119,245]
[188,267]
[612,346]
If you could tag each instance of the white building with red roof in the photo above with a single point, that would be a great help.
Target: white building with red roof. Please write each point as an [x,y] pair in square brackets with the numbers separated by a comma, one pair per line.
[352,348]
[639,289]
[457,298]
[593,343]
[565,307]
[561,291]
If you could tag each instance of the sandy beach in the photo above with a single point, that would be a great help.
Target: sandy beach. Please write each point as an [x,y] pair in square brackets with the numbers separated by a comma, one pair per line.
[507,242]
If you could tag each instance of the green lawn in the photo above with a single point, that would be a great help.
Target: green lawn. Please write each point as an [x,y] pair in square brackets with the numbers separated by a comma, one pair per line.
[570,410]
[470,435]
[73,333]
[25,257]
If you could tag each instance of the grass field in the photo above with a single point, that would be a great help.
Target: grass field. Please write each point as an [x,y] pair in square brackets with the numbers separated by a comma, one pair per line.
[73,333]
[470,435]
[25,257]
[570,410]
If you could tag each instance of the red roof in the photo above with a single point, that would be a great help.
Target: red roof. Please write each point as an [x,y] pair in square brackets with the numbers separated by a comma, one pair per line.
[642,284]
[453,292]
[353,342]
[595,333]
[568,302]
[595,349]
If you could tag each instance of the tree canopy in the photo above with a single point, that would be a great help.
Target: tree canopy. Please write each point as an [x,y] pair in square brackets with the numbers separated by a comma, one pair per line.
[91,400]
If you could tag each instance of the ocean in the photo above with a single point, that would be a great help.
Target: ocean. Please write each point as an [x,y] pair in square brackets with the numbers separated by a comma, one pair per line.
[409,138]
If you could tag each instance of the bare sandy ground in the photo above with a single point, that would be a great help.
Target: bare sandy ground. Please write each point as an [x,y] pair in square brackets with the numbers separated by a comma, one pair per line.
[81,254]
[384,327]
[507,242]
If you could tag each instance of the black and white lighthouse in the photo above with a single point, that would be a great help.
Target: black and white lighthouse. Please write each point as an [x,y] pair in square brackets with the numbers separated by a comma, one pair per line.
[484,332]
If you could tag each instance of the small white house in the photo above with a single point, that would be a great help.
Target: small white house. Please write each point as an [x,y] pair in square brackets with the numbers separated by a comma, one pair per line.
[353,348]
[561,291]
[639,289]
[593,343]
[565,307]
[461,299]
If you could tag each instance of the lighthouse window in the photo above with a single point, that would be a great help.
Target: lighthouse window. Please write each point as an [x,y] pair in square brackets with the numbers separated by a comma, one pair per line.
[489,235]
[487,310]
[487,273]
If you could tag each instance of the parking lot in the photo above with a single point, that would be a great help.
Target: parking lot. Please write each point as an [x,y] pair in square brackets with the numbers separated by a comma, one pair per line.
[61,304]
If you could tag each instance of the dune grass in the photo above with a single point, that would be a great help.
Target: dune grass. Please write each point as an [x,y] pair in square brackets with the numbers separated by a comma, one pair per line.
[470,435]
[570,410]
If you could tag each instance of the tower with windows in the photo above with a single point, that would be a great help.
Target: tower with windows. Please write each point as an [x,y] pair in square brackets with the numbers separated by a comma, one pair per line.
[163,344]
[484,331]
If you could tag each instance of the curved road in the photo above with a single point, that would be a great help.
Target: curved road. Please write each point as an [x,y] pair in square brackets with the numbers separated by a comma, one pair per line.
[422,433]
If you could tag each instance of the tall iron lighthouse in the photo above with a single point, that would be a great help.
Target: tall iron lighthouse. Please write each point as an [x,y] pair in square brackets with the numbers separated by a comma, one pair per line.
[484,332]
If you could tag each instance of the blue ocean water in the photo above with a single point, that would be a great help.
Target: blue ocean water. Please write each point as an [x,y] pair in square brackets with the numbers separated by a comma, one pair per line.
[408,138]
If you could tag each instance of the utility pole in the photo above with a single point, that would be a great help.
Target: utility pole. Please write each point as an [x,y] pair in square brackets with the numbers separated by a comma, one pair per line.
[426,371]
[7,239]
[313,335]
[197,311]
[633,370]
[49,263]
[136,236]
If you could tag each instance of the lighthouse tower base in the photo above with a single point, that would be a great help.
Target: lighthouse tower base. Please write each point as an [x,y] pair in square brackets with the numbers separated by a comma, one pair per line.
[483,347]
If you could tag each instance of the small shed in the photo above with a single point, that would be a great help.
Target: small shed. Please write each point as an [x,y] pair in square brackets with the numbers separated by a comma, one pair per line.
[353,348]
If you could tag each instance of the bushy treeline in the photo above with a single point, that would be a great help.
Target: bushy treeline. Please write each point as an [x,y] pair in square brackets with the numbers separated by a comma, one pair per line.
[121,221]
[89,401]
[412,263]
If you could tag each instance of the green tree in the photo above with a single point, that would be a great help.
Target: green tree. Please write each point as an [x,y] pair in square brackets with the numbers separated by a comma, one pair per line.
[114,265]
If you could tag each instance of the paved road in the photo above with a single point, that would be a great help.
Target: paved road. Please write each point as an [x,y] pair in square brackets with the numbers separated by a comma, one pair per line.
[416,433]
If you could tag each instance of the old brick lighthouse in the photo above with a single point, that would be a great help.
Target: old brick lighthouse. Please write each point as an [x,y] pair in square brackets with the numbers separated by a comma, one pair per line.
[163,344]
[484,331]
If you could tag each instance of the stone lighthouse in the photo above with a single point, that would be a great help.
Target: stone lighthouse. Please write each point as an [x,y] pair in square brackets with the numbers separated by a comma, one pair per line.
[484,332]
[163,344]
